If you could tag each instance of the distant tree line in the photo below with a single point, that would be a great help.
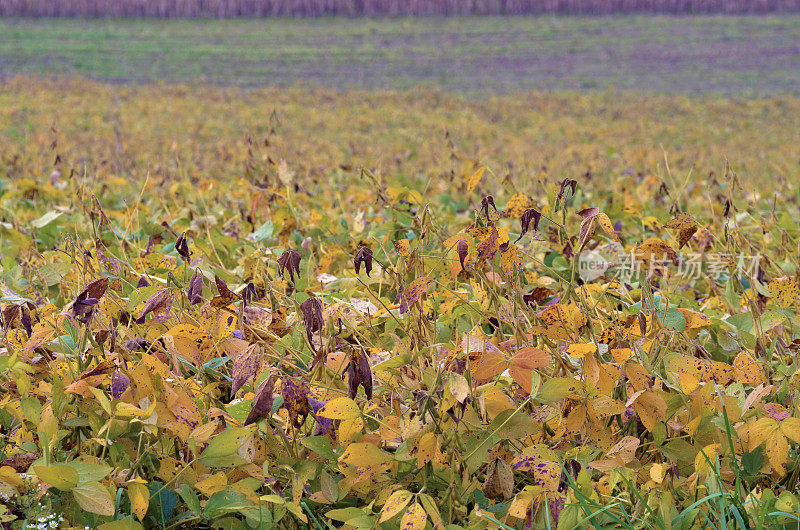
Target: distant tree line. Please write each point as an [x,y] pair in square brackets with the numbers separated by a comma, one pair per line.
[358,8]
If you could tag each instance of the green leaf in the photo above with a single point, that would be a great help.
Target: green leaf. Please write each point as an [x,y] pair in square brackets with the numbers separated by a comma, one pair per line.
[327,485]
[672,318]
[89,472]
[59,476]
[558,388]
[240,410]
[222,450]
[32,408]
[511,425]
[190,498]
[264,231]
[752,460]
[53,273]
[121,524]
[344,514]
[93,497]
[321,446]
[46,219]
[225,502]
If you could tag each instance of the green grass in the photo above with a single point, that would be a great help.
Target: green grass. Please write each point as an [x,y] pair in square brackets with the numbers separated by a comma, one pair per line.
[724,54]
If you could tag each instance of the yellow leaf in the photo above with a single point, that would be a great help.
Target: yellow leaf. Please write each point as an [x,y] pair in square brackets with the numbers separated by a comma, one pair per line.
[790,427]
[621,355]
[59,476]
[777,450]
[603,407]
[126,410]
[202,433]
[427,449]
[140,499]
[657,472]
[688,382]
[747,371]
[350,429]
[414,518]
[510,261]
[547,475]
[94,497]
[716,372]
[625,448]
[396,502]
[212,484]
[705,460]
[578,351]
[651,408]
[686,226]
[761,430]
[475,178]
[518,204]
[192,343]
[695,319]
[605,224]
[403,247]
[364,455]
[784,291]
[521,506]
[342,408]
[692,426]
[654,253]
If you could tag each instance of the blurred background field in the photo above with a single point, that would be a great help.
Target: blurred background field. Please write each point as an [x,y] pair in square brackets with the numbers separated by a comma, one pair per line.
[536,97]
[194,131]
[727,54]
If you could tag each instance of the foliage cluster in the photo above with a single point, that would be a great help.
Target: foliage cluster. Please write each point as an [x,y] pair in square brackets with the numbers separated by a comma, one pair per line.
[246,339]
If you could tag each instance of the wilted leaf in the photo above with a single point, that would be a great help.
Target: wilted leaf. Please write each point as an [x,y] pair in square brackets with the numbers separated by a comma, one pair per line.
[499,483]
[246,366]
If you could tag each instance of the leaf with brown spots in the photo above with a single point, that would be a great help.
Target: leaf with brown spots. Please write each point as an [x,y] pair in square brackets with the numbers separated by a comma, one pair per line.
[246,365]
[262,401]
[784,291]
[685,225]
[499,483]
[159,304]
[413,292]
[226,296]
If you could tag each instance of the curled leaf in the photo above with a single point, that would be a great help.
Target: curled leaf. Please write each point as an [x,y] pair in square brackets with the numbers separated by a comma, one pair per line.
[312,318]
[462,249]
[485,203]
[182,247]
[83,306]
[119,384]
[226,296]
[359,373]
[159,304]
[364,255]
[195,291]
[289,260]
[525,221]
[262,401]
[566,183]
[413,292]
[686,226]
[295,399]
[246,365]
